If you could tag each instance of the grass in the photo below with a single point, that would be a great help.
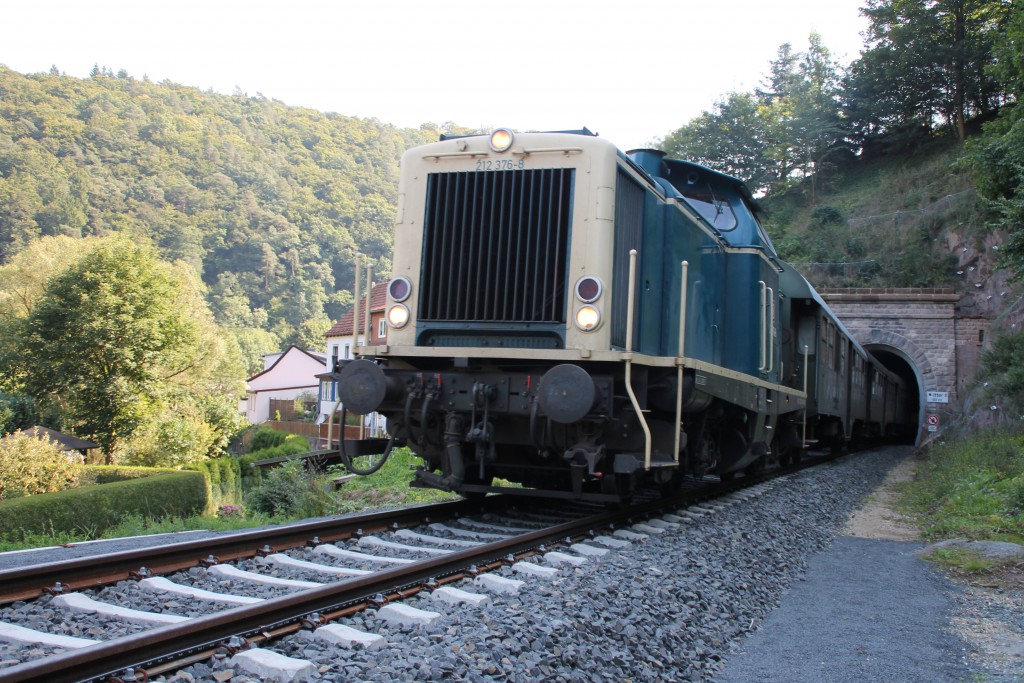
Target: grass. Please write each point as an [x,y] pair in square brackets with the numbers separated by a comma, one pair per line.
[387,488]
[961,559]
[970,487]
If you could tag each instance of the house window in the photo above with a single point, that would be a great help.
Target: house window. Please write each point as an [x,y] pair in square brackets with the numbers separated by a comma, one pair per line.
[382,328]
[348,350]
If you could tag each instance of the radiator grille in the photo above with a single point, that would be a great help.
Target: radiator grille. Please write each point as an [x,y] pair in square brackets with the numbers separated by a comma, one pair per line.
[495,247]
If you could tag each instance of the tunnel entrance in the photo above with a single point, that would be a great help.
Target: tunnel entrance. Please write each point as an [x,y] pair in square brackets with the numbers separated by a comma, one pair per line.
[896,362]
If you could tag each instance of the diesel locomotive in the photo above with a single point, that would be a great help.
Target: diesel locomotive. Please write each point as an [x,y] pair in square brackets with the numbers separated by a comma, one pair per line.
[578,320]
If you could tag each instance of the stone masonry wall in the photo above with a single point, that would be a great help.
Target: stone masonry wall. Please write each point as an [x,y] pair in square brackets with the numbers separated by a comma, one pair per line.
[920,325]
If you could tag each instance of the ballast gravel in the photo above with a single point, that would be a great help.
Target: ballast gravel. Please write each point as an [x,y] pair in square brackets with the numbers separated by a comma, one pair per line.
[674,607]
[678,606]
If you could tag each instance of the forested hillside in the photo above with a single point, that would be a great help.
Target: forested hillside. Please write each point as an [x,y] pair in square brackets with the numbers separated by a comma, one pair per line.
[268,202]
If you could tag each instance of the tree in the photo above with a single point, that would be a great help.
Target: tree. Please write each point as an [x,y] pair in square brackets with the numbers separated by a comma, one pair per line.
[732,138]
[926,62]
[996,159]
[105,337]
[785,129]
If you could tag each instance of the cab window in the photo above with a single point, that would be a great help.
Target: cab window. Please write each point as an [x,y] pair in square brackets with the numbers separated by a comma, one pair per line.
[713,207]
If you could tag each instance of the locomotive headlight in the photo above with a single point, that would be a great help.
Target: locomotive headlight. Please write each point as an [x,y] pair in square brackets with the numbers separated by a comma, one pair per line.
[399,289]
[588,318]
[501,139]
[588,289]
[398,316]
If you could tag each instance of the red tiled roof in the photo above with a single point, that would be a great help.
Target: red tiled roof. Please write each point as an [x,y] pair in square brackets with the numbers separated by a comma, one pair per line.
[378,297]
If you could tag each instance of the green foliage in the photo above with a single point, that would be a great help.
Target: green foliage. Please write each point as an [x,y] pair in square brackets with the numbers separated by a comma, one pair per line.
[268,202]
[387,487]
[108,474]
[293,444]
[140,366]
[265,437]
[288,490]
[223,482]
[91,511]
[960,558]
[996,159]
[925,62]
[103,337]
[1002,371]
[882,226]
[17,412]
[972,488]
[31,465]
[787,130]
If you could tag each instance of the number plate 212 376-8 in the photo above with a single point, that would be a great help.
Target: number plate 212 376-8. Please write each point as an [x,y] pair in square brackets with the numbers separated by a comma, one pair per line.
[500,164]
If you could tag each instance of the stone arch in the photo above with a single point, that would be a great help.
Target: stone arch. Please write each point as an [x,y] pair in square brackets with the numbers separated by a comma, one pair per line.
[916,359]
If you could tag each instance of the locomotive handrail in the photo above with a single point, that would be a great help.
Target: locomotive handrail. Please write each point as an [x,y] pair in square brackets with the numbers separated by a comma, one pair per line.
[628,358]
[804,436]
[548,150]
[355,308]
[467,153]
[762,361]
[771,330]
[681,358]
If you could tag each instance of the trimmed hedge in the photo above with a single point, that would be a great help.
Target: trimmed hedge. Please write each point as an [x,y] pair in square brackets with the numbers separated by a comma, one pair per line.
[223,477]
[94,509]
[108,474]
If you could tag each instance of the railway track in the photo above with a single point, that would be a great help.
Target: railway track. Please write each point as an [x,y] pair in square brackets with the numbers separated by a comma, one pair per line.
[428,548]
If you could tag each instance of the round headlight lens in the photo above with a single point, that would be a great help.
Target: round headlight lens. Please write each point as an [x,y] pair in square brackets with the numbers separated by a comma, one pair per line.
[398,316]
[588,318]
[588,289]
[501,139]
[399,289]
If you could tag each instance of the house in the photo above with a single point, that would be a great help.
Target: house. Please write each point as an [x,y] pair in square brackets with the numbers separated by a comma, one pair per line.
[287,375]
[339,337]
[339,346]
[66,443]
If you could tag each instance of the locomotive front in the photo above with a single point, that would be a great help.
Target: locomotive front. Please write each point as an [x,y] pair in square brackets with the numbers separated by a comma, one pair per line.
[507,315]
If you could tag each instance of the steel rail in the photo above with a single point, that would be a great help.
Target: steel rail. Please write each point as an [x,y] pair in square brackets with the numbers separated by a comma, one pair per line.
[26,583]
[273,617]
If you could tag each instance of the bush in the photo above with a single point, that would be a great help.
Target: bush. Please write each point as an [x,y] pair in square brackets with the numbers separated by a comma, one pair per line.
[265,437]
[95,509]
[31,465]
[288,490]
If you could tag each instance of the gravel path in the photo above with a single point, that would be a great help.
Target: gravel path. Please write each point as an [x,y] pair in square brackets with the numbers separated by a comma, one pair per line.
[868,610]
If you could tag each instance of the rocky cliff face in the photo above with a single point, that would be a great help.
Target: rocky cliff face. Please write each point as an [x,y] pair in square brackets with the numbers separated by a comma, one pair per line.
[986,291]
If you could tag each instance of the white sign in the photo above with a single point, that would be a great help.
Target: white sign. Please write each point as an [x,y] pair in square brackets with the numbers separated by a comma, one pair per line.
[932,428]
[938,397]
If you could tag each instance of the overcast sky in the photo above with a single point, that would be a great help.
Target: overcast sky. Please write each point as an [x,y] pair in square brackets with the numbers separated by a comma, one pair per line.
[631,70]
